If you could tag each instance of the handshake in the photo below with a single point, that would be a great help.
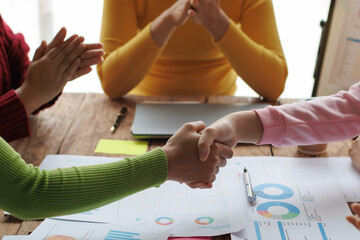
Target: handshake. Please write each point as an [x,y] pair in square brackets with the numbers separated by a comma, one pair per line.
[195,155]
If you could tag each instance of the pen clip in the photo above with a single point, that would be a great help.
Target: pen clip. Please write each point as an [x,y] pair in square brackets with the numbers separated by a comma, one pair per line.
[251,196]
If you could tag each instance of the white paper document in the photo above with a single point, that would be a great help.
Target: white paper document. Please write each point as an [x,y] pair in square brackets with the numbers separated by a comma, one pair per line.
[297,210]
[339,169]
[52,229]
[186,211]
[346,71]
[17,237]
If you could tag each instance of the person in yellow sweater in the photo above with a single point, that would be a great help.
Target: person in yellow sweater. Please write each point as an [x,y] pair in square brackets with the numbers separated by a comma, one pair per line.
[190,47]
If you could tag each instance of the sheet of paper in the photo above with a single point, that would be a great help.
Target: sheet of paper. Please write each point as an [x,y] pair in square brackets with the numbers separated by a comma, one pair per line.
[121,147]
[187,212]
[52,229]
[17,237]
[297,210]
[339,169]
[346,71]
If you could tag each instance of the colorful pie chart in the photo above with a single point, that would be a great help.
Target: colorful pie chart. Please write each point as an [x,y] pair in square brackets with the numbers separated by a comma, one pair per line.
[204,220]
[263,210]
[164,221]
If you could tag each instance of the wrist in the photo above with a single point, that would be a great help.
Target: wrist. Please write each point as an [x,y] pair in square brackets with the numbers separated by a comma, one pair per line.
[248,126]
[162,28]
[218,27]
[167,152]
[27,99]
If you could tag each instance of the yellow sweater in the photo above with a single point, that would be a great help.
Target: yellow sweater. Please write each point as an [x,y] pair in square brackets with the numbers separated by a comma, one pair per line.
[191,63]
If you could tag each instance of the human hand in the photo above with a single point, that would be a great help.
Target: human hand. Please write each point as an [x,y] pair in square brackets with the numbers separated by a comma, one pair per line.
[92,54]
[165,24]
[243,126]
[223,131]
[209,14]
[354,153]
[49,73]
[183,162]
[355,219]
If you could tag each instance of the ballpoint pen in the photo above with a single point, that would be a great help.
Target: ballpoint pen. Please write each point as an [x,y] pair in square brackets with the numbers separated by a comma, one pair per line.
[118,119]
[249,190]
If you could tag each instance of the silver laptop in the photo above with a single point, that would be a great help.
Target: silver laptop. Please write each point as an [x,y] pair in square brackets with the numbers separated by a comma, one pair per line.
[162,120]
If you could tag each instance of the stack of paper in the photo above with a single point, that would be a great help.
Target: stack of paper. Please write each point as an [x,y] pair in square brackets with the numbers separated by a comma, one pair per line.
[296,199]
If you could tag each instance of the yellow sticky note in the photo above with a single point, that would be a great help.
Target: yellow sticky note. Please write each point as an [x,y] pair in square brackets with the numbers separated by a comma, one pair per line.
[121,147]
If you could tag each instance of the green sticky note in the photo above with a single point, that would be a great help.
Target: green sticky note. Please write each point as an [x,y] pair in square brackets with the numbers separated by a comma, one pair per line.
[121,147]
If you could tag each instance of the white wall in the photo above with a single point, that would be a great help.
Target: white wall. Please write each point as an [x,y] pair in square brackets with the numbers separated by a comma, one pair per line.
[298,24]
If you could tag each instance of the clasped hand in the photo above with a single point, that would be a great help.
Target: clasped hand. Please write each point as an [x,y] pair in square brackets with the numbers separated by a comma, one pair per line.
[204,12]
[184,164]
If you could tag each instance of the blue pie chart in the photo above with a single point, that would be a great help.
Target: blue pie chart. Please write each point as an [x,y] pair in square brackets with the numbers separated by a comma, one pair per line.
[286,191]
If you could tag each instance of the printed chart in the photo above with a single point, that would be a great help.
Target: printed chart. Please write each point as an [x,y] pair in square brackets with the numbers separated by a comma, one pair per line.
[52,229]
[297,210]
[175,206]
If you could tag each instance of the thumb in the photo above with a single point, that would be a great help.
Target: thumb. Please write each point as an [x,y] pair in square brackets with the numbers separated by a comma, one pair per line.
[40,51]
[198,126]
[207,138]
[59,38]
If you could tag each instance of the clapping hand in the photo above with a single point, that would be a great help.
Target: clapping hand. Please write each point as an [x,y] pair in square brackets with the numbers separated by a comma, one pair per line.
[54,65]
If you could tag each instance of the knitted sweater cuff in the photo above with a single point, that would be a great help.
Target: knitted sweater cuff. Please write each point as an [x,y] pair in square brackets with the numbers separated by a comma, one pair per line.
[14,122]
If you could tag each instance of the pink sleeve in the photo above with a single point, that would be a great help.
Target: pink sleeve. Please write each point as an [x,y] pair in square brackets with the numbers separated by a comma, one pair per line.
[326,119]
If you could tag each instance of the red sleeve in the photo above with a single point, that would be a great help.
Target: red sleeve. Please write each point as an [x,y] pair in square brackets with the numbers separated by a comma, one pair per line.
[14,122]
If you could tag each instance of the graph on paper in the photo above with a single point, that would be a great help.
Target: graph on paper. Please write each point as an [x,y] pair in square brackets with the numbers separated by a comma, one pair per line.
[52,229]
[297,210]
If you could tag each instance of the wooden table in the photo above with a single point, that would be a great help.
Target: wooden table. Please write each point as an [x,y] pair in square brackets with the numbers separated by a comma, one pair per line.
[78,120]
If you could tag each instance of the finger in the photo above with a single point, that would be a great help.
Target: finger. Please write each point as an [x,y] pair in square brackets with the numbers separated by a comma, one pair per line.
[356,208]
[72,69]
[92,53]
[195,3]
[223,150]
[222,162]
[54,52]
[92,46]
[59,38]
[227,153]
[70,53]
[81,72]
[40,51]
[212,179]
[217,170]
[196,185]
[91,61]
[195,126]
[206,139]
[351,219]
[192,13]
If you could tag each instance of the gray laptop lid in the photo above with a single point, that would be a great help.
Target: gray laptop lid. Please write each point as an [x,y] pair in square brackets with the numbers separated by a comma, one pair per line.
[162,120]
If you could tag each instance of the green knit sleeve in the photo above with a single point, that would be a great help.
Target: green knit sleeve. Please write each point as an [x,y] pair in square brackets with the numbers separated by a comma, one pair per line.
[30,193]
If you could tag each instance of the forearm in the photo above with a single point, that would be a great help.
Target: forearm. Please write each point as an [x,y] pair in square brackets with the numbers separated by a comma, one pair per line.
[30,193]
[128,64]
[263,69]
[247,126]
[162,28]
[327,119]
